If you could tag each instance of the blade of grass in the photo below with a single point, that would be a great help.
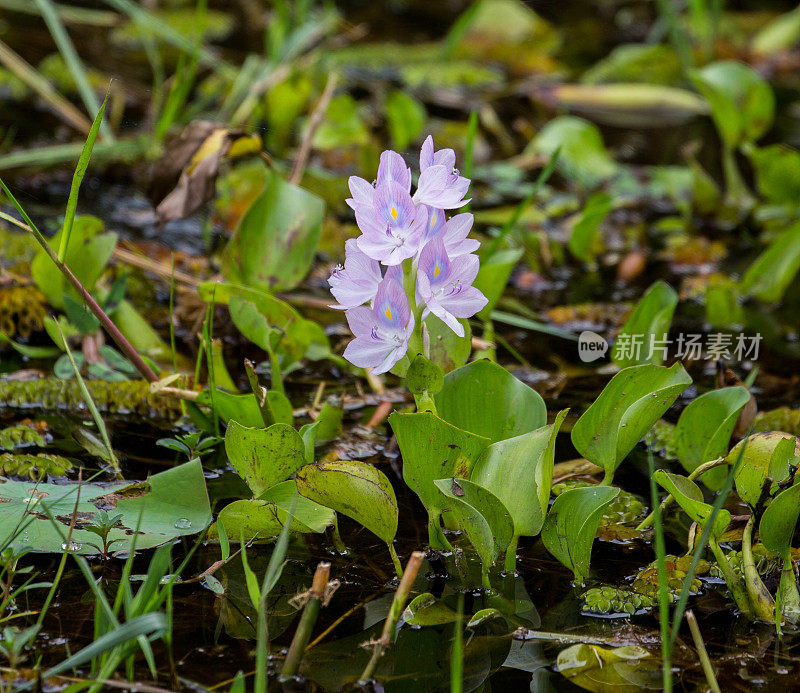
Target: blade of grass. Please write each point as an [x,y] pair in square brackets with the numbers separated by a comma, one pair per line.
[98,420]
[663,588]
[77,179]
[68,14]
[705,662]
[459,29]
[122,150]
[74,64]
[528,324]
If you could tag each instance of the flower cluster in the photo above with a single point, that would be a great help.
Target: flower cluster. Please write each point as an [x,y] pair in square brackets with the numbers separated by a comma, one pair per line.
[407,248]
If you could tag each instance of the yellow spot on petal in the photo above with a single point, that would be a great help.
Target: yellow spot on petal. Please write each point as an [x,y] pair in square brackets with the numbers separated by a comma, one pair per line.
[436,270]
[394,212]
[388,312]
[433,219]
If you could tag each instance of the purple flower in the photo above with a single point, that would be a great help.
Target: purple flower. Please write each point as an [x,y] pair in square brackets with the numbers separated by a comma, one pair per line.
[440,184]
[453,232]
[357,282]
[394,227]
[381,332]
[392,169]
[444,285]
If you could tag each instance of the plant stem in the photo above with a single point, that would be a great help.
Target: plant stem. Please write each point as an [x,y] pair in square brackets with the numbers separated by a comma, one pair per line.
[511,555]
[788,597]
[669,500]
[708,670]
[260,393]
[760,598]
[397,567]
[732,579]
[457,655]
[663,588]
[302,635]
[399,602]
[436,537]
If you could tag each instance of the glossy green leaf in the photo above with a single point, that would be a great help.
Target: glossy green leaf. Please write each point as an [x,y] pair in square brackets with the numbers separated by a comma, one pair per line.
[779,521]
[169,504]
[704,430]
[582,156]
[642,338]
[741,100]
[625,410]
[274,245]
[571,525]
[519,471]
[426,610]
[582,237]
[424,376]
[773,271]
[480,514]
[765,455]
[688,495]
[487,400]
[430,448]
[355,489]
[264,457]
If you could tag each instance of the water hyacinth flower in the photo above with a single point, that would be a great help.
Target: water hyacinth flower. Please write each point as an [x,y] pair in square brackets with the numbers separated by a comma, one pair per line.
[440,184]
[392,169]
[381,332]
[444,285]
[357,282]
[394,228]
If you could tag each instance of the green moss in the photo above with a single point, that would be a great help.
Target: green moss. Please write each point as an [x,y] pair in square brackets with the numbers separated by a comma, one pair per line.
[22,310]
[52,394]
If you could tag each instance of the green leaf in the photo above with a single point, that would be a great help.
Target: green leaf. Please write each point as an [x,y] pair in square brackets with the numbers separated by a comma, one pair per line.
[328,423]
[405,117]
[773,271]
[570,526]
[424,376]
[487,400]
[355,489]
[582,237]
[704,430]
[263,457]
[519,471]
[779,521]
[448,350]
[138,331]
[625,410]
[646,327]
[779,35]
[32,352]
[274,245]
[493,276]
[625,669]
[480,514]
[430,448]
[253,324]
[312,515]
[426,610]
[169,504]
[688,495]
[741,100]
[765,455]
[79,316]
[242,409]
[582,155]
[777,169]
[89,252]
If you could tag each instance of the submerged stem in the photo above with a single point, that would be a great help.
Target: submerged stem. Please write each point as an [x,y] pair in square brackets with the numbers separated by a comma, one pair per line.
[700,646]
[308,620]
[511,555]
[760,598]
[788,597]
[732,579]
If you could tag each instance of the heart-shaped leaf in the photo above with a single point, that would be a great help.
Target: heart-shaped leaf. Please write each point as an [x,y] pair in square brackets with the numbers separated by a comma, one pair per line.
[642,337]
[704,429]
[424,376]
[571,525]
[264,457]
[688,495]
[487,400]
[274,245]
[427,610]
[169,504]
[355,489]
[431,448]
[625,410]
[764,455]
[519,471]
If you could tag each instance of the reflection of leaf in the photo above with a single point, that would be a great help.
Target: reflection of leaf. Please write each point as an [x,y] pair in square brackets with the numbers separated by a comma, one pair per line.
[170,504]
[486,399]
[626,669]
[426,610]
[571,525]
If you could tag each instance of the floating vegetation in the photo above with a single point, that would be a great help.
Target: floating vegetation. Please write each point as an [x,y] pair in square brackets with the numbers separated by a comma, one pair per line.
[26,433]
[34,467]
[780,419]
[22,310]
[119,397]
